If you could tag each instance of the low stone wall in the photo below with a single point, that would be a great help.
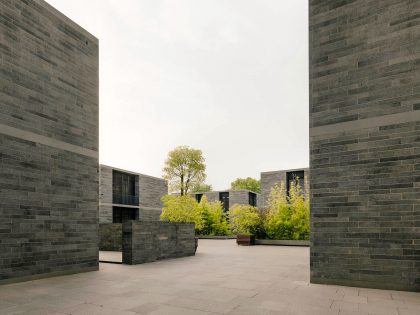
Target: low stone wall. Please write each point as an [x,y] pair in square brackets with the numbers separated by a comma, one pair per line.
[147,241]
[110,236]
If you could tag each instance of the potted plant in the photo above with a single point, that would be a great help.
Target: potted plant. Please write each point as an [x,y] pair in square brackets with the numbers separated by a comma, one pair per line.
[244,221]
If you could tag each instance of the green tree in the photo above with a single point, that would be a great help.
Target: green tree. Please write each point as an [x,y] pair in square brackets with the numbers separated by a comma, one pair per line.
[202,188]
[246,183]
[184,169]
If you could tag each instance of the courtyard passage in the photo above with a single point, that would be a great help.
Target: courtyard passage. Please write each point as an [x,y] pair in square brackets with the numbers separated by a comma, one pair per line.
[222,278]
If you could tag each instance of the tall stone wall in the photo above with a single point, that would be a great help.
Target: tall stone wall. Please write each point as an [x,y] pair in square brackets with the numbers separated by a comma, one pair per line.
[152,189]
[364,143]
[105,194]
[48,143]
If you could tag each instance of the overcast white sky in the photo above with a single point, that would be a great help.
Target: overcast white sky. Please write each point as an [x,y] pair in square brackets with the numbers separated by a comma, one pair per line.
[229,77]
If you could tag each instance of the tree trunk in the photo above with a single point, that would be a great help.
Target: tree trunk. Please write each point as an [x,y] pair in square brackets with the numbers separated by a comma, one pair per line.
[182,185]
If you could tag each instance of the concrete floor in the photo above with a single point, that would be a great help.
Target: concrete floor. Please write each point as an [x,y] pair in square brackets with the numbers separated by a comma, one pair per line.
[221,279]
[110,256]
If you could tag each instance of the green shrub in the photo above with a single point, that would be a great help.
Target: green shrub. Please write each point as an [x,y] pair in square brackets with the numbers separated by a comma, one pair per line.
[214,220]
[244,219]
[287,217]
[181,209]
[207,216]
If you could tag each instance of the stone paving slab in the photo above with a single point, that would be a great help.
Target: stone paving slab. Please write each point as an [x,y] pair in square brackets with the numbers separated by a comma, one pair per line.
[110,256]
[221,279]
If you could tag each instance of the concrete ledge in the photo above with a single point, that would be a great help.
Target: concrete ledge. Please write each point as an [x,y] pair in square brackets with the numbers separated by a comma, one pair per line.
[215,237]
[48,275]
[283,242]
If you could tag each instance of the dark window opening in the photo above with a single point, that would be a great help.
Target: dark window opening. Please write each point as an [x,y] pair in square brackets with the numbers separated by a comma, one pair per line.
[120,215]
[198,197]
[224,199]
[124,189]
[293,178]
[252,199]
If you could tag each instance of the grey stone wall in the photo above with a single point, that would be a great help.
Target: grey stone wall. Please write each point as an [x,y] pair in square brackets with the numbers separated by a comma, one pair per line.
[48,143]
[105,194]
[273,178]
[110,236]
[240,197]
[364,143]
[150,241]
[150,190]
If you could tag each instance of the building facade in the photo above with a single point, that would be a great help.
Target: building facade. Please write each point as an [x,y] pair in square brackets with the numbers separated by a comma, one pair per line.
[125,195]
[273,178]
[364,143]
[228,198]
[48,143]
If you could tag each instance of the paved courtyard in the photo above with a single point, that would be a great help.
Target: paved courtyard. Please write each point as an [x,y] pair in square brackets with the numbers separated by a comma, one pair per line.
[221,279]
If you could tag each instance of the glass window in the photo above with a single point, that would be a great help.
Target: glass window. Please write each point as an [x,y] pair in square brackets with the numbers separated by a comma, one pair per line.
[293,177]
[198,197]
[120,215]
[252,199]
[224,199]
[124,188]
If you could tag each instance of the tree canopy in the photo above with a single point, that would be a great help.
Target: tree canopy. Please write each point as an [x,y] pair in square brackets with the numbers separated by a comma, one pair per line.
[202,188]
[246,183]
[184,169]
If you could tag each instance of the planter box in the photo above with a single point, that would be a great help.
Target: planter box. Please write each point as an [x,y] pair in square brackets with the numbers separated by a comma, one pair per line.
[245,240]
[283,242]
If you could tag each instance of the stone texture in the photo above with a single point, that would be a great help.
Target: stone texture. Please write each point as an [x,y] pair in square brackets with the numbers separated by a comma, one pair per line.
[240,197]
[146,241]
[364,143]
[110,236]
[48,143]
[152,189]
[221,278]
[149,189]
[273,178]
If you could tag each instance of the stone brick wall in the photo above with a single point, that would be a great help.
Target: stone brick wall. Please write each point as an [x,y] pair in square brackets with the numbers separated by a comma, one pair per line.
[152,189]
[364,143]
[150,241]
[105,194]
[110,236]
[270,179]
[48,143]
[235,197]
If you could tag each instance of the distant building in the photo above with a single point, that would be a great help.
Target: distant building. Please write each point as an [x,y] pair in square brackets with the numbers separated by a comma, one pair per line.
[270,179]
[230,197]
[126,195]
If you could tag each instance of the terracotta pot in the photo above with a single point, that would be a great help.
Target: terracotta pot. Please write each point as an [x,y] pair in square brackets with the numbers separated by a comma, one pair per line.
[245,240]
